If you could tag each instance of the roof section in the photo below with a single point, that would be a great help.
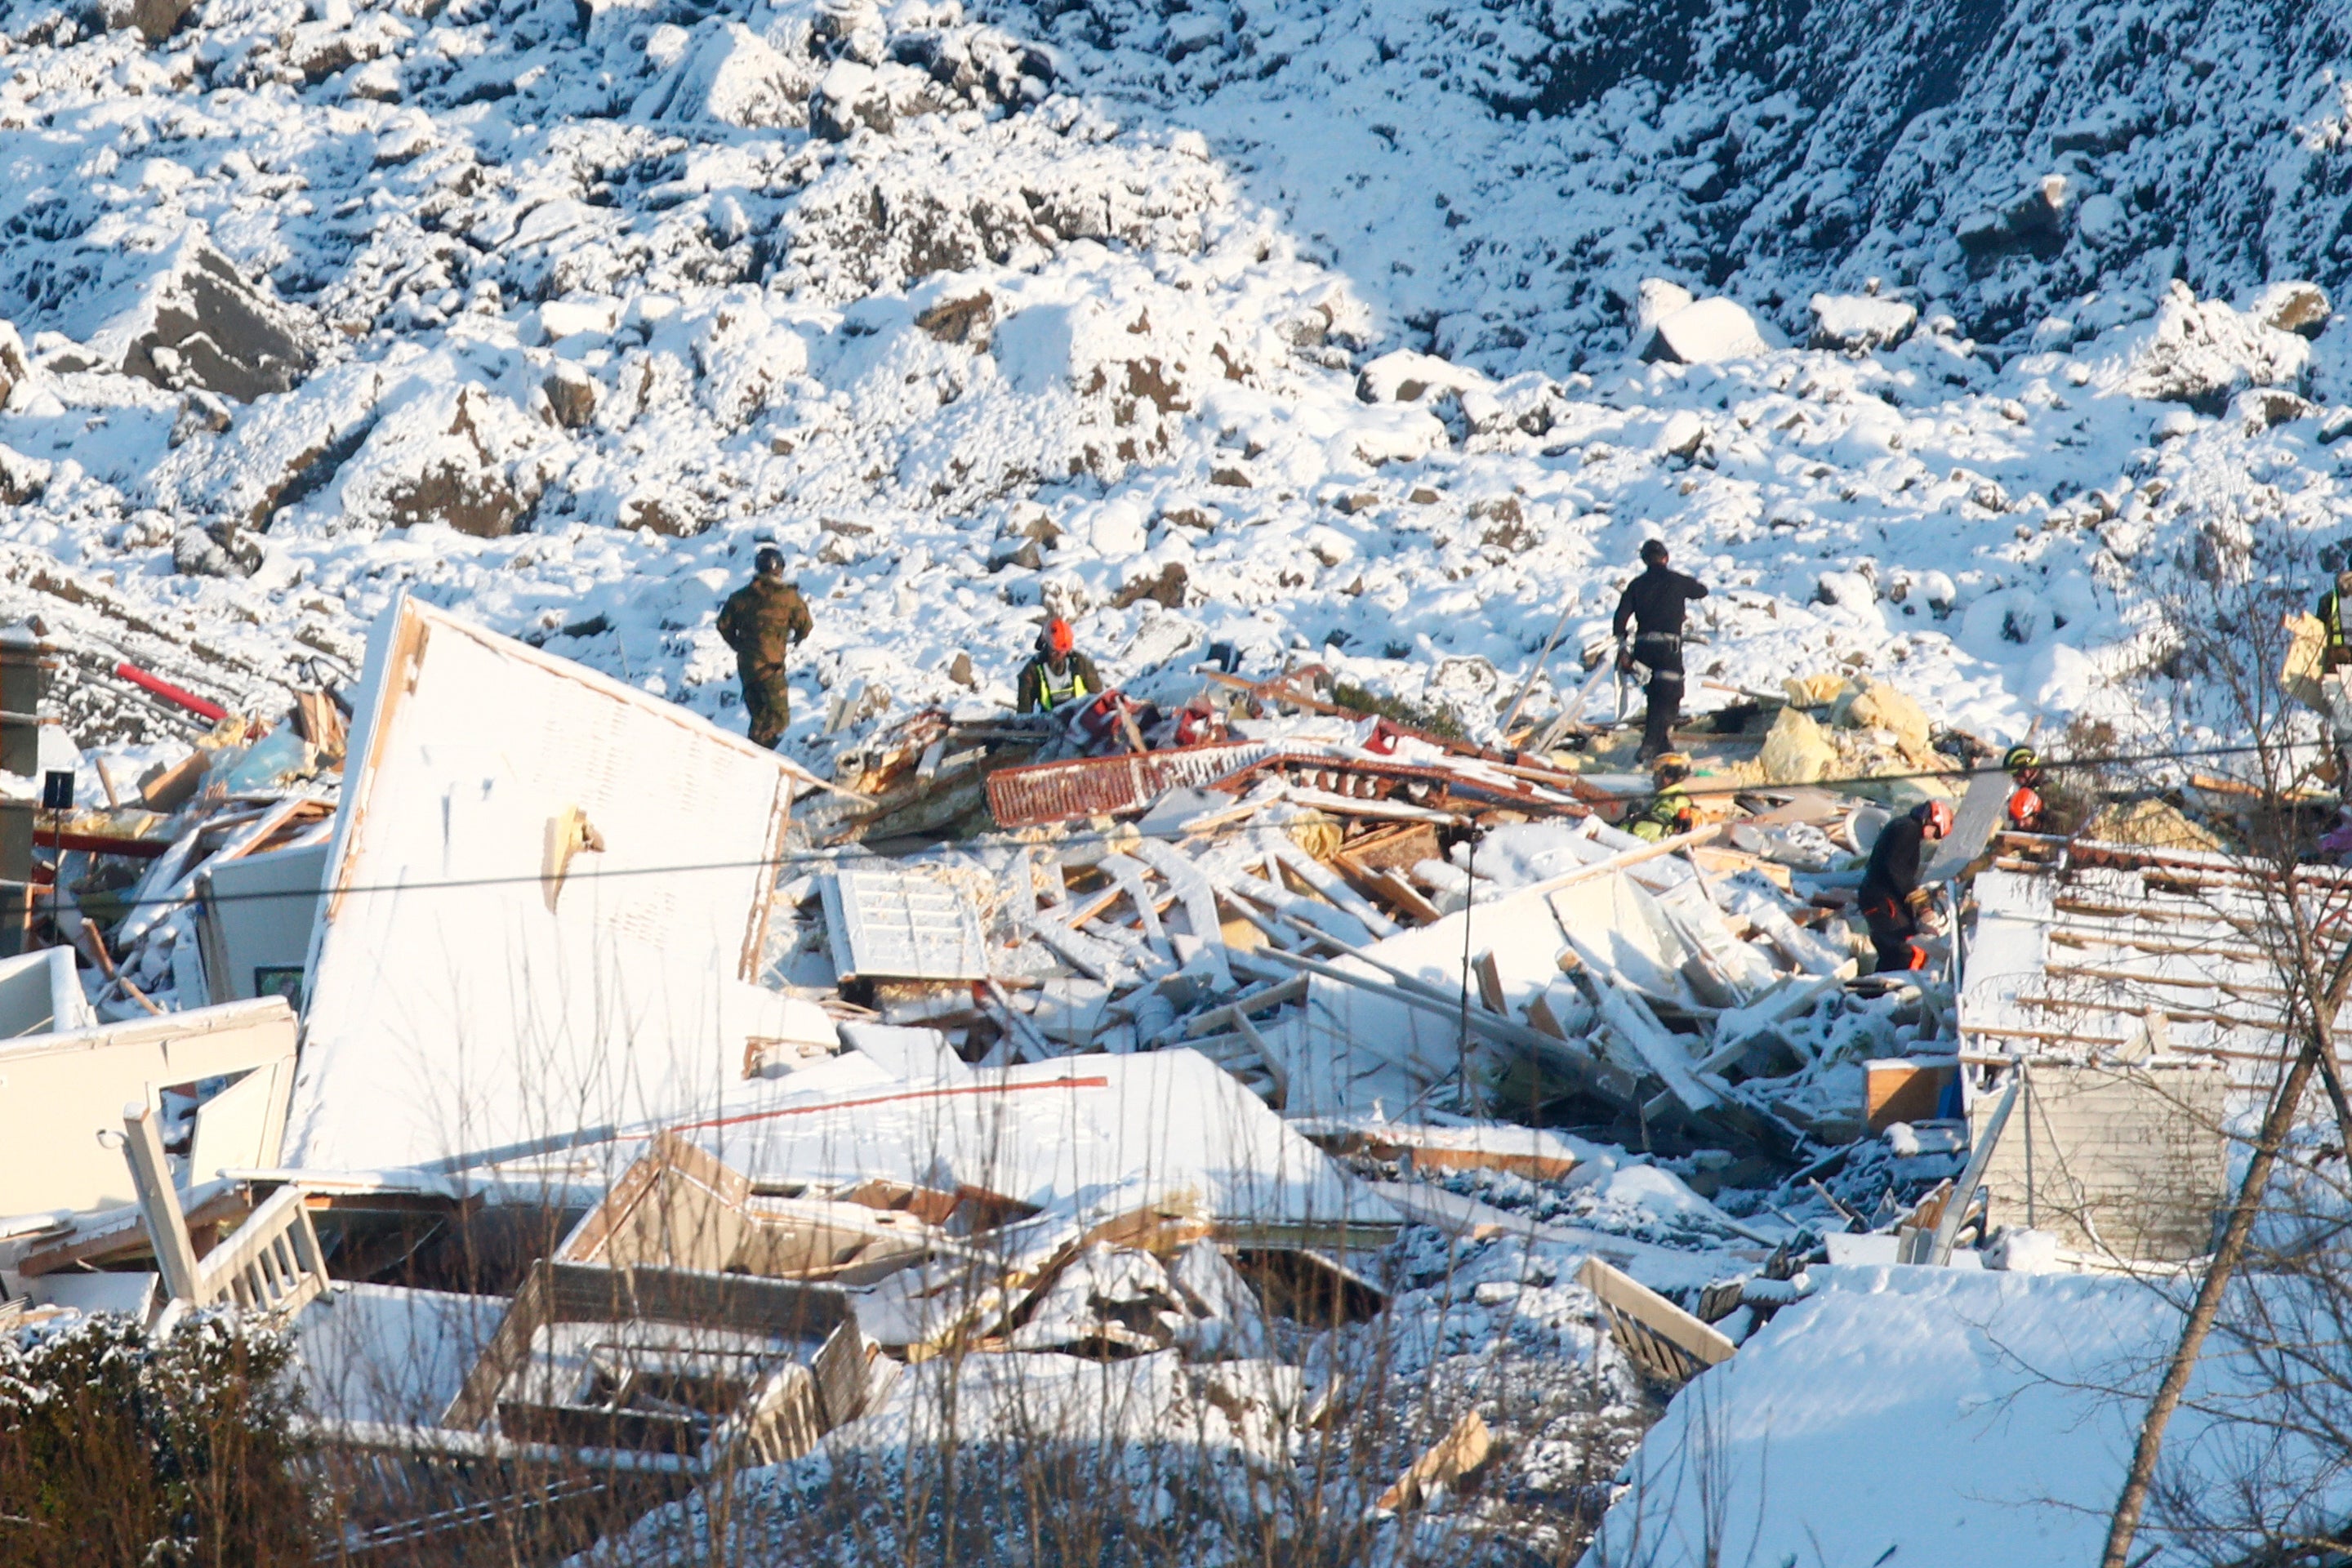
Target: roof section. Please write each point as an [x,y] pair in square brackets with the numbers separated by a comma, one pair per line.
[2133,953]
[1910,1414]
[548,893]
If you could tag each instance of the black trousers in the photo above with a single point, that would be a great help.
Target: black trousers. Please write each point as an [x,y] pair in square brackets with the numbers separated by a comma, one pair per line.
[1892,928]
[1664,657]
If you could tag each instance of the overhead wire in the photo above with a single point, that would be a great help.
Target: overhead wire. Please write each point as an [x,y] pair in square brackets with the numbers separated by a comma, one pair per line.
[831,856]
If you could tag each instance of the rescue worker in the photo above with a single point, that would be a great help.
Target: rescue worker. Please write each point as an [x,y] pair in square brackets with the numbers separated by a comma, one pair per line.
[2026,807]
[1898,908]
[1057,674]
[2334,653]
[1670,811]
[1651,604]
[762,621]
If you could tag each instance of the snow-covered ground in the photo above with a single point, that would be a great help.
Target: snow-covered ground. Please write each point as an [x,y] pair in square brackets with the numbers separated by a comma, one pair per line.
[555,310]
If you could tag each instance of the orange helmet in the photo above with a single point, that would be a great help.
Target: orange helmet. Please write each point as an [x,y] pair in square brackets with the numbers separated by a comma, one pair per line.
[1057,638]
[1937,815]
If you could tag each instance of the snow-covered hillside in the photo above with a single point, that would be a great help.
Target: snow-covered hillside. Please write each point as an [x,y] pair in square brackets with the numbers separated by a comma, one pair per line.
[1506,172]
[554,309]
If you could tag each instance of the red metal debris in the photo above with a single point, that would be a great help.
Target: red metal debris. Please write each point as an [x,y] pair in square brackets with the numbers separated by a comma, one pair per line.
[171,693]
[1045,793]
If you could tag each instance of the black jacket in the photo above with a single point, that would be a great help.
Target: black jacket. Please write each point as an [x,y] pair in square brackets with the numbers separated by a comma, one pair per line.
[1893,874]
[1654,601]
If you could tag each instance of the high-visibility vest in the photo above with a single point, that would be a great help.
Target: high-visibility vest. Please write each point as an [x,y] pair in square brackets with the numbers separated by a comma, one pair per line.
[1053,695]
[2331,615]
[1668,813]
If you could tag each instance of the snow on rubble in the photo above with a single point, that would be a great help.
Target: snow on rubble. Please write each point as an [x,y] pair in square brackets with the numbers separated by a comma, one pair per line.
[1318,378]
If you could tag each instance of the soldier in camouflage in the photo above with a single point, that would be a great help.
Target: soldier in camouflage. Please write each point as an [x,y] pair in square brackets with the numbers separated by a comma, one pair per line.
[762,621]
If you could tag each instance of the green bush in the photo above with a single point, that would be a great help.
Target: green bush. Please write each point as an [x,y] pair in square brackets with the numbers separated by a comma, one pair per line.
[175,1454]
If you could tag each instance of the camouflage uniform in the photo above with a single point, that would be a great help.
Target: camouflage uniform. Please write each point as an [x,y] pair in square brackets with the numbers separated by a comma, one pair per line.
[762,621]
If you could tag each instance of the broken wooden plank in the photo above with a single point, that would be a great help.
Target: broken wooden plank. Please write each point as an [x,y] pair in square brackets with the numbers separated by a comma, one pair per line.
[1666,1341]
[1903,1088]
[1321,878]
[1391,848]
[1528,1151]
[1268,1052]
[1404,895]
[1623,1011]
[1192,886]
[1460,1453]
[1370,808]
[1259,1000]
[1590,1074]
[1490,984]
[1718,861]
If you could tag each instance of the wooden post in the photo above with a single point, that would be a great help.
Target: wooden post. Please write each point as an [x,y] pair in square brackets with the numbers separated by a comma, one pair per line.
[159,1203]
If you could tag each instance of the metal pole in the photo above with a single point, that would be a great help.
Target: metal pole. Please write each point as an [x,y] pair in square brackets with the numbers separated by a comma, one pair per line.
[1947,1229]
[1528,685]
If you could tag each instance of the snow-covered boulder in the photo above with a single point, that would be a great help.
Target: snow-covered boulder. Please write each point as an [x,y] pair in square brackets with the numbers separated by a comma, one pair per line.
[561,319]
[22,479]
[1704,331]
[1856,322]
[956,315]
[851,95]
[1682,436]
[745,359]
[457,456]
[2202,353]
[1653,301]
[924,204]
[275,452]
[1407,377]
[196,321]
[15,368]
[730,75]
[156,20]
[1085,365]
[2292,307]
[976,67]
[571,394]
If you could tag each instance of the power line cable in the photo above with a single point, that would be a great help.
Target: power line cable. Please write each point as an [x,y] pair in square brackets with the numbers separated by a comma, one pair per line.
[835,856]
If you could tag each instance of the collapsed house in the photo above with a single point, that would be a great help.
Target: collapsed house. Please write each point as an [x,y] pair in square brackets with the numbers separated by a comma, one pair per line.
[607,1122]
[2134,996]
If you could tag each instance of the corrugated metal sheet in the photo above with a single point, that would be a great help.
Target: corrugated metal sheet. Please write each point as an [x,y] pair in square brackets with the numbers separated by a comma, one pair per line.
[2127,1162]
[1047,792]
[895,923]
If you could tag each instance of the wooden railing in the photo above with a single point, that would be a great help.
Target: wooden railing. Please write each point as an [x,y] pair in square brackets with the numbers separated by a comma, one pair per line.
[271,1263]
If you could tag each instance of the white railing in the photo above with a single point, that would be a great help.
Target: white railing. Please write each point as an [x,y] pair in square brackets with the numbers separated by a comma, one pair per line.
[271,1263]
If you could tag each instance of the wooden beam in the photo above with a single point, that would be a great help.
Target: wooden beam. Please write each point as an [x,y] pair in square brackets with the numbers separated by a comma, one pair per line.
[1275,1065]
[1216,1018]
[159,1204]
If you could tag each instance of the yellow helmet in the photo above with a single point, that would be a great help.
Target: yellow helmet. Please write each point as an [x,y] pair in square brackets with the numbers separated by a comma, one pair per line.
[1671,768]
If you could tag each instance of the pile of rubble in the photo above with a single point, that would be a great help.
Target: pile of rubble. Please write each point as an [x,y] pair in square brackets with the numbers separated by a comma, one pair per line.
[1361,918]
[582,1080]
